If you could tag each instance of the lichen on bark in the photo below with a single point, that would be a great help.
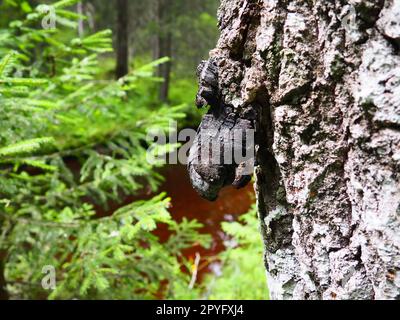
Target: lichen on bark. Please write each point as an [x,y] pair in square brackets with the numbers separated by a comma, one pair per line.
[326,86]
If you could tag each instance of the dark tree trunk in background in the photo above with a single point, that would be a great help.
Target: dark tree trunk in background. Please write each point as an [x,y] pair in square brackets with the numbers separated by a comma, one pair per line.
[3,291]
[164,47]
[122,38]
[328,90]
[79,9]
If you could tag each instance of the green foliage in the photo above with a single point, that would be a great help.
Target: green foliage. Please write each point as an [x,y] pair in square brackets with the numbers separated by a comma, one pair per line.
[26,147]
[242,271]
[192,25]
[195,41]
[71,143]
[182,91]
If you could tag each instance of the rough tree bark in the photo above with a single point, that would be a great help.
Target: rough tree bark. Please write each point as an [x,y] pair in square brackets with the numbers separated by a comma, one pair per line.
[324,78]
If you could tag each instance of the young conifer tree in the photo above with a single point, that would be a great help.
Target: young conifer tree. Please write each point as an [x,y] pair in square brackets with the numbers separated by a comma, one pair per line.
[71,141]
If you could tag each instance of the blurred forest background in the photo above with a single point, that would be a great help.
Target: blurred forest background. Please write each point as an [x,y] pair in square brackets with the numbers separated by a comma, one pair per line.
[76,192]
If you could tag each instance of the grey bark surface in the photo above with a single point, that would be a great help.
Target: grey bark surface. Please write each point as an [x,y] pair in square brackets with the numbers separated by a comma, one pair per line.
[326,87]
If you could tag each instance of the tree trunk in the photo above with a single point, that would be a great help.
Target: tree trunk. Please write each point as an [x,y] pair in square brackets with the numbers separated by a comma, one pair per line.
[79,9]
[324,77]
[164,47]
[3,291]
[122,38]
